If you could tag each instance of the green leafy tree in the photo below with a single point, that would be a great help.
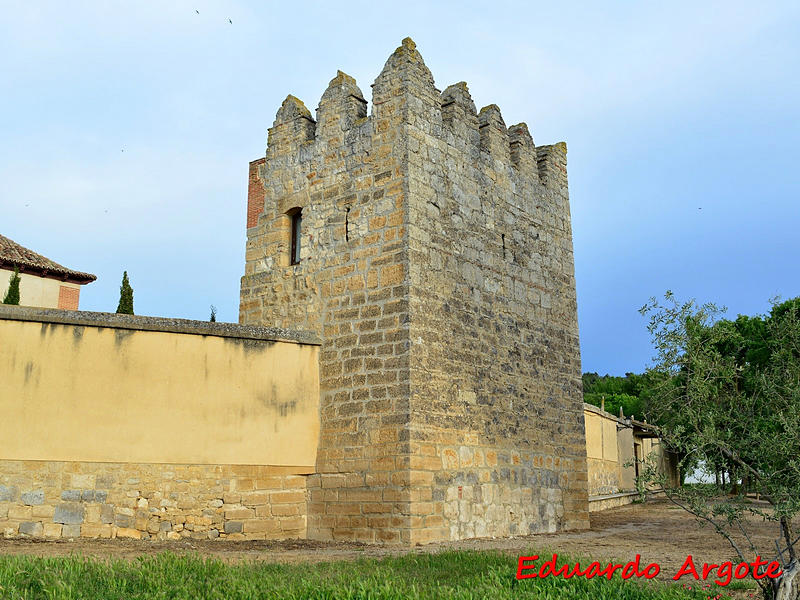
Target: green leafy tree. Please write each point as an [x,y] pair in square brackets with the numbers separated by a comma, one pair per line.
[729,398]
[632,392]
[12,294]
[125,306]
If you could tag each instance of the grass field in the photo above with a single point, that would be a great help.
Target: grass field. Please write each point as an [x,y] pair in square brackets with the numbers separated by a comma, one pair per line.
[449,575]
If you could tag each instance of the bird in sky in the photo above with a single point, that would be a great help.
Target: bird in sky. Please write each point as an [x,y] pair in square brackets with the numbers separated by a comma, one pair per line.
[197,11]
[229,21]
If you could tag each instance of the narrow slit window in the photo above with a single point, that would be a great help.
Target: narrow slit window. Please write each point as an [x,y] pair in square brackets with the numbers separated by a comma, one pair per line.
[296,215]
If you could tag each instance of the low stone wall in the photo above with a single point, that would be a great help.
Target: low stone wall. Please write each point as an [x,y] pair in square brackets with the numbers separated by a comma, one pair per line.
[123,426]
[598,503]
[150,501]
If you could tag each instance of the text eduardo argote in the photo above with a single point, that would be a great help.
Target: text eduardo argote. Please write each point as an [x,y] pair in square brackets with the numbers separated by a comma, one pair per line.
[527,568]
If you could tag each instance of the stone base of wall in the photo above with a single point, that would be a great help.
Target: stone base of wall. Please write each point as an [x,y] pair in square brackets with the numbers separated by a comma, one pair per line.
[47,499]
[463,492]
[598,503]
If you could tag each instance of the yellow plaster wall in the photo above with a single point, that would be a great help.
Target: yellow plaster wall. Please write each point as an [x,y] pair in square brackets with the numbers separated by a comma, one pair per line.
[601,452]
[86,393]
[627,475]
[33,290]
[610,440]
[594,434]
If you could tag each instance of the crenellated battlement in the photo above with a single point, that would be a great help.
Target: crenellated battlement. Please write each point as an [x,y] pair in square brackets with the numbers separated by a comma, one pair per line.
[404,94]
[429,246]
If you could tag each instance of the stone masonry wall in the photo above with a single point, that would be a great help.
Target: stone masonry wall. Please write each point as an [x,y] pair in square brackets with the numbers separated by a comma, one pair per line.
[497,430]
[345,172]
[150,501]
[437,268]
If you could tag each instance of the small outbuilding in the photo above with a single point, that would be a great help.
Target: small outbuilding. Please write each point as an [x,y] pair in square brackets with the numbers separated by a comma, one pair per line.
[43,282]
[616,448]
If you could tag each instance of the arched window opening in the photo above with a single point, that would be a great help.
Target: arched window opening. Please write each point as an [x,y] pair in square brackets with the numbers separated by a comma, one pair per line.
[296,216]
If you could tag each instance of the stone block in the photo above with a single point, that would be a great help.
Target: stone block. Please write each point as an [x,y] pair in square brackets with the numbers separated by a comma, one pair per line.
[293,523]
[124,521]
[71,495]
[107,513]
[9,493]
[233,527]
[21,513]
[69,514]
[287,497]
[239,513]
[260,526]
[286,510]
[32,498]
[95,530]
[52,530]
[82,481]
[127,532]
[45,511]
[255,498]
[31,528]
[92,514]
[71,531]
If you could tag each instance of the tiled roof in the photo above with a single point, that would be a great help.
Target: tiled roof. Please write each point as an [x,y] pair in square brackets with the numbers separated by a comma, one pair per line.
[13,255]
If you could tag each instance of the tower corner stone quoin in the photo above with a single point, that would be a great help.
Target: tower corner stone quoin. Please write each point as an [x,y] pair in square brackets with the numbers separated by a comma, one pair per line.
[436,265]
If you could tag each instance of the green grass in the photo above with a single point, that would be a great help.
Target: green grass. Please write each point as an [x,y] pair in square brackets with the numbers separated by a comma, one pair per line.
[449,575]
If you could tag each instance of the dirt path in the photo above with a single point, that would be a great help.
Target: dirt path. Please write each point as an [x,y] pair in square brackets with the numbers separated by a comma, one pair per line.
[658,531]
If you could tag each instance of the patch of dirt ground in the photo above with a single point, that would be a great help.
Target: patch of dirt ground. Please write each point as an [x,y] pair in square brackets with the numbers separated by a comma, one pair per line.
[658,530]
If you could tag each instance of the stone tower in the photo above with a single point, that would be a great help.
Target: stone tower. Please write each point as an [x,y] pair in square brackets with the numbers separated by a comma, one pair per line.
[430,248]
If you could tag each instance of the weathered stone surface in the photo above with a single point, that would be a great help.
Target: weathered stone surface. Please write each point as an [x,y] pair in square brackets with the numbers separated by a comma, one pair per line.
[32,498]
[8,493]
[68,514]
[16,511]
[107,513]
[233,526]
[143,497]
[125,532]
[32,528]
[71,495]
[124,521]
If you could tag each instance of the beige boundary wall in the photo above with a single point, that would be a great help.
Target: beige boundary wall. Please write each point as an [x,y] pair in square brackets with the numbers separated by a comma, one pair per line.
[611,443]
[142,427]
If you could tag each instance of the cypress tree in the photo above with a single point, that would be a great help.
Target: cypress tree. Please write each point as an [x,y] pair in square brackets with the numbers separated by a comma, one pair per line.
[12,295]
[125,306]
[213,318]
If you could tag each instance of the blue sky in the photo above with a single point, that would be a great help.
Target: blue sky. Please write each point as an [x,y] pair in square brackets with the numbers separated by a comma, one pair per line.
[126,130]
